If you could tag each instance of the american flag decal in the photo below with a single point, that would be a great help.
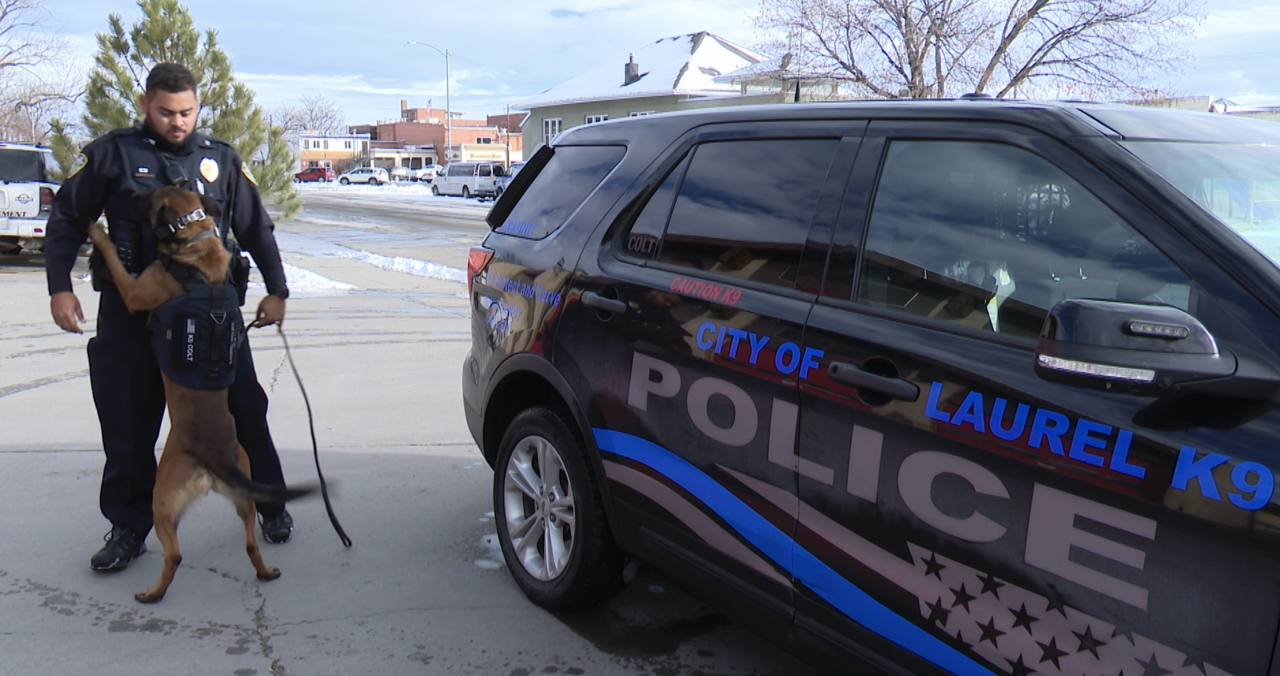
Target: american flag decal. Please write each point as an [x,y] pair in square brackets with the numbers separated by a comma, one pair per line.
[1024,633]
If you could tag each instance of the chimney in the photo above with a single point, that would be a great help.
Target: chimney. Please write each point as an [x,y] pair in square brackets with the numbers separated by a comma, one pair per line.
[404,105]
[633,71]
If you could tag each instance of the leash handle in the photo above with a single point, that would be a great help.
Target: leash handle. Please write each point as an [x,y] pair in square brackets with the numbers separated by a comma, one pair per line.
[315,448]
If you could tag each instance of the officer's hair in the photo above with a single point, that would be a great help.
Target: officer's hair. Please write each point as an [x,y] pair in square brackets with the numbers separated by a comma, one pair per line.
[170,77]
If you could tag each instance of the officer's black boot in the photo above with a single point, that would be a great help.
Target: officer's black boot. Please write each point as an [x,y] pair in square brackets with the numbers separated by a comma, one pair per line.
[277,529]
[123,545]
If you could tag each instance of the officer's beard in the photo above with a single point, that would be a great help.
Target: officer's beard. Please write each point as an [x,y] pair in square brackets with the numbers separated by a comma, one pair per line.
[162,141]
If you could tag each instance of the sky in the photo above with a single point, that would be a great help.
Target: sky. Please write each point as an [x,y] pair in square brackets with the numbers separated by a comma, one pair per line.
[357,55]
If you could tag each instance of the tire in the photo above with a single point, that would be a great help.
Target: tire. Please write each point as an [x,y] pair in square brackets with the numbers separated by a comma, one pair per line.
[435,190]
[373,181]
[466,193]
[497,194]
[566,558]
[344,181]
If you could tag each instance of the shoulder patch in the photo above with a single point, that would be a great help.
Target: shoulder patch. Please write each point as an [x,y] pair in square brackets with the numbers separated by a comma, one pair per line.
[244,168]
[81,162]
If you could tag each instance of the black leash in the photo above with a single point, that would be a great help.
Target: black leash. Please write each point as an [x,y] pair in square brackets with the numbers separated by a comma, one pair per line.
[315,448]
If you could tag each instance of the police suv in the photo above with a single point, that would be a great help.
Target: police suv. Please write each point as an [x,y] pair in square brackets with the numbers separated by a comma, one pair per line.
[27,187]
[963,387]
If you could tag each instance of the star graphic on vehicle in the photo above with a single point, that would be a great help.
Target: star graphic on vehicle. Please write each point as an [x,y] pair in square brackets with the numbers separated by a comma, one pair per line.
[991,585]
[990,633]
[1088,642]
[932,567]
[1019,669]
[937,612]
[1152,668]
[1021,618]
[962,598]
[1049,652]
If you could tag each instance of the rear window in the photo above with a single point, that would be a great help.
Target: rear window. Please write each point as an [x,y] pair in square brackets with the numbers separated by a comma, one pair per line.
[24,166]
[555,193]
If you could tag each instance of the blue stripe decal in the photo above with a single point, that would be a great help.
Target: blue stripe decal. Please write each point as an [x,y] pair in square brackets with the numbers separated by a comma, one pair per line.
[785,552]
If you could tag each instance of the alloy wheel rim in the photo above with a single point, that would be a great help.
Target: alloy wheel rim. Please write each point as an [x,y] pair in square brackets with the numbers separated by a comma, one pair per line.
[538,506]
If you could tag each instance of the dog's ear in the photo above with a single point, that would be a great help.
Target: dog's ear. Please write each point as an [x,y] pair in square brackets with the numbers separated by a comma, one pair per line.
[210,206]
[142,205]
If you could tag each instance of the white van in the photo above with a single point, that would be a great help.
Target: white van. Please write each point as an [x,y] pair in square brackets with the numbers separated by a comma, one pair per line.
[469,179]
[27,186]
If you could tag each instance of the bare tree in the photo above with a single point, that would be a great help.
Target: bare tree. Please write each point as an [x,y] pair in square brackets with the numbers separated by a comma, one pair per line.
[316,114]
[936,48]
[38,78]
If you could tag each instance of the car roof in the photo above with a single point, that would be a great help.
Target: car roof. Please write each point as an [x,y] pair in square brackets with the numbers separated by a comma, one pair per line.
[1059,118]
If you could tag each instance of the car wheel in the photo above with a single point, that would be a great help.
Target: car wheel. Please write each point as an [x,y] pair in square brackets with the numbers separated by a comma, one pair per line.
[550,516]
[497,194]
[344,181]
[466,193]
[435,190]
[373,181]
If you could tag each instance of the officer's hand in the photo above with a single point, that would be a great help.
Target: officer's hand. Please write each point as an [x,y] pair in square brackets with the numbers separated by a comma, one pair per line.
[270,311]
[66,311]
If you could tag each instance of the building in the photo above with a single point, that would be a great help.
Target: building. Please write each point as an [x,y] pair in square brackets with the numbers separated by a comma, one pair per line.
[336,151]
[676,73]
[421,134]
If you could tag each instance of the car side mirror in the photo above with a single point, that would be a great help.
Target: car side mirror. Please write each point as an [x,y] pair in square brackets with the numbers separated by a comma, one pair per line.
[1148,350]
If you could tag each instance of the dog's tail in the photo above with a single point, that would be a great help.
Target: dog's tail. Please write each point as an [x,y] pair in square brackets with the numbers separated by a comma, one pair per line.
[258,491]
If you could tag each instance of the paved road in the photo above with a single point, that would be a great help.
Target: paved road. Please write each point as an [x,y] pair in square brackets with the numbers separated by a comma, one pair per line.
[424,590]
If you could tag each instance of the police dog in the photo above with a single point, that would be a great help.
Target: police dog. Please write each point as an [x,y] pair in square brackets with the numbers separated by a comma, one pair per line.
[202,452]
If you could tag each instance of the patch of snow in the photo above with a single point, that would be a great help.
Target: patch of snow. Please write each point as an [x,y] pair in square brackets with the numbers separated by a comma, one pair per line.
[410,266]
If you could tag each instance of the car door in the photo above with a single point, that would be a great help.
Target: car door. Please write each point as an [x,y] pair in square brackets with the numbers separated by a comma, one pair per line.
[685,338]
[983,519]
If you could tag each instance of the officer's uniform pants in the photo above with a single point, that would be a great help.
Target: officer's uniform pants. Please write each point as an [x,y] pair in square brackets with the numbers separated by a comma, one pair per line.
[129,395]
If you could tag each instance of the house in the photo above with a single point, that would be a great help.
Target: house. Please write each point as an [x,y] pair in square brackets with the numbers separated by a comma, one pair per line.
[333,150]
[676,73]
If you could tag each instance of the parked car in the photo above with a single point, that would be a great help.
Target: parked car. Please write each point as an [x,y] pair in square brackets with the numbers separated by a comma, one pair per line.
[27,187]
[370,175]
[426,174]
[401,173]
[314,174]
[505,181]
[469,179]
[964,387]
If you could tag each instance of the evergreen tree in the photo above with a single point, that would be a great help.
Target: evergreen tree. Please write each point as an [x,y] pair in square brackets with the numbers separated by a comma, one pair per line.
[166,33]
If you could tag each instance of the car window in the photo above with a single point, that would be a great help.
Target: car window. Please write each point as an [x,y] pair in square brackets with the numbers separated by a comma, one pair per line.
[734,220]
[646,231]
[486,170]
[557,190]
[991,237]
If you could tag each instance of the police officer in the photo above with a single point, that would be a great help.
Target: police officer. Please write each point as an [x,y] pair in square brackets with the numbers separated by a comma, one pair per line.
[127,389]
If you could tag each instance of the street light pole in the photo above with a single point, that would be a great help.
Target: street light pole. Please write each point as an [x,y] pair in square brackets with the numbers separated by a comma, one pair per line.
[448,119]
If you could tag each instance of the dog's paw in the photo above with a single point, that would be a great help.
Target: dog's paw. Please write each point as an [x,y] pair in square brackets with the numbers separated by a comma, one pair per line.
[269,574]
[148,597]
[98,234]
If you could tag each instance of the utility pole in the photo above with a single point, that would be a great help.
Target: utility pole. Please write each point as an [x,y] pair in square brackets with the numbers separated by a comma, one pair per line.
[448,118]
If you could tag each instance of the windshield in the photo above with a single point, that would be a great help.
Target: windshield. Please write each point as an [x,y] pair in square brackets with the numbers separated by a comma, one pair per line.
[24,165]
[1240,184]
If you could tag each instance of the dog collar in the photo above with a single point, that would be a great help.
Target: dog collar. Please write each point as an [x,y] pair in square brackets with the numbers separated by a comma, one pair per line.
[170,229]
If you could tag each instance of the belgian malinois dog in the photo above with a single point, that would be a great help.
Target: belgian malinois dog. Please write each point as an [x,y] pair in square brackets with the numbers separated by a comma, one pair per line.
[201,452]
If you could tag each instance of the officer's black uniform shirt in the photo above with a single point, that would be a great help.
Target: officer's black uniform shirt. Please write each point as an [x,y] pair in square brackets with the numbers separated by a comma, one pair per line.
[84,196]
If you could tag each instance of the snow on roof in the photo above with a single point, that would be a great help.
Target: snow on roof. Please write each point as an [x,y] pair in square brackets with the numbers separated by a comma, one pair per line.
[684,65]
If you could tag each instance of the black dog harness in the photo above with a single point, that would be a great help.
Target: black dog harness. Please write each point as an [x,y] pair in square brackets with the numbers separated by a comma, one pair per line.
[195,336]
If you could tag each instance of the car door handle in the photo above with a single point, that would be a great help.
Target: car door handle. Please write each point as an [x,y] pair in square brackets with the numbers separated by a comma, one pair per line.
[611,305]
[896,388]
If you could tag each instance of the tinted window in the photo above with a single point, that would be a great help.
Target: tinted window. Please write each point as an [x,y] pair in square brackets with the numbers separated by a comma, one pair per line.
[734,218]
[991,236]
[555,193]
[486,170]
[642,240]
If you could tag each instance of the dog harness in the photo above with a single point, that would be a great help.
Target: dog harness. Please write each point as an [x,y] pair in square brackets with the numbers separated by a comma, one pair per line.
[195,336]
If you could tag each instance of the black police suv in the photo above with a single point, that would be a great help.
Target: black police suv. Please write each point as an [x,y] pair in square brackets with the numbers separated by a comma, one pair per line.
[971,387]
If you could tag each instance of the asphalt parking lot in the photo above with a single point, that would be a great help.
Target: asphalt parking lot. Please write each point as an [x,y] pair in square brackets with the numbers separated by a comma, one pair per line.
[423,590]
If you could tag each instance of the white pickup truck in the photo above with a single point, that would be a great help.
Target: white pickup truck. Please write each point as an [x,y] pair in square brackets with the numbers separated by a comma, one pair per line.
[26,196]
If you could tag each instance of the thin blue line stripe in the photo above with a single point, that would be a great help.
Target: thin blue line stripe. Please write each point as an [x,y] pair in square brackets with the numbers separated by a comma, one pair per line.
[784,551]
